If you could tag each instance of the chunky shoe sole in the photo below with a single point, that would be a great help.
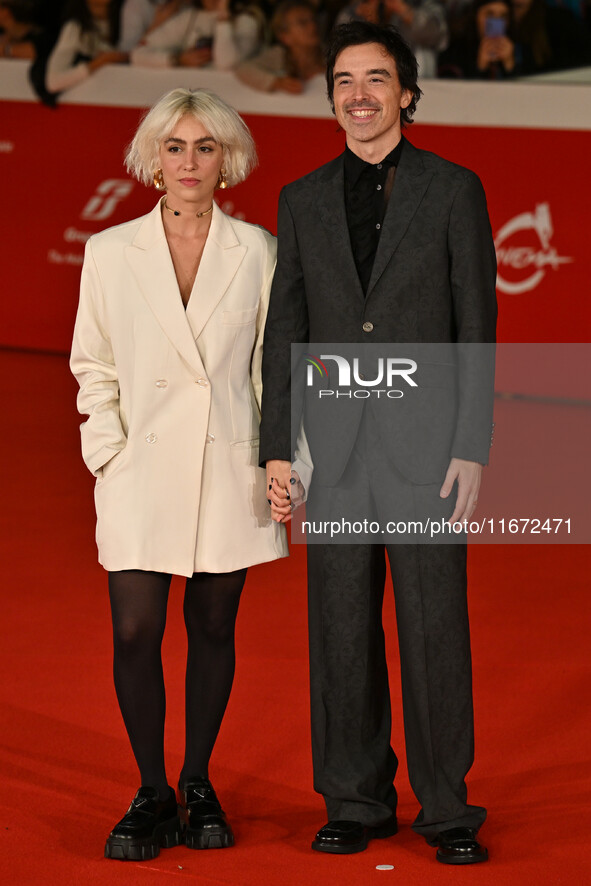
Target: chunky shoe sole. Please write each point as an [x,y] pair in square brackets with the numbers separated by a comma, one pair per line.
[209,838]
[167,835]
[379,833]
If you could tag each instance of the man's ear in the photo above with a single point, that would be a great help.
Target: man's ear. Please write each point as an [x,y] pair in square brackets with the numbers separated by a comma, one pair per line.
[406,98]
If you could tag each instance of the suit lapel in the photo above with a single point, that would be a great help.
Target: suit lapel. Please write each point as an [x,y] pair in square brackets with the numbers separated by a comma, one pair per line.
[222,256]
[410,185]
[151,263]
[331,208]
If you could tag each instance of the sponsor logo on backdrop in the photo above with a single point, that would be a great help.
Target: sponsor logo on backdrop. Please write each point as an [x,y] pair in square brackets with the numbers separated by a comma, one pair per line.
[104,201]
[388,370]
[108,194]
[524,251]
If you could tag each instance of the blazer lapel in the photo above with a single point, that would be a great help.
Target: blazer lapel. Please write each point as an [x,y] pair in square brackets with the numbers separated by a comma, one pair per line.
[222,256]
[410,185]
[150,260]
[331,208]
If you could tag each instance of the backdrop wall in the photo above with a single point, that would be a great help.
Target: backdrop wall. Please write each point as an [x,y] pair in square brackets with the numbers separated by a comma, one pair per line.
[63,179]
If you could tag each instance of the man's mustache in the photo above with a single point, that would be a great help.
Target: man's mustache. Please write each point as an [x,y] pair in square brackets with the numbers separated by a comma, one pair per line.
[365,105]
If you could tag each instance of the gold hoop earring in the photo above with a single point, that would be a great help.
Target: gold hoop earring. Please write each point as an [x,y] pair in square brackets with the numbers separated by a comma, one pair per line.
[222,183]
[159,181]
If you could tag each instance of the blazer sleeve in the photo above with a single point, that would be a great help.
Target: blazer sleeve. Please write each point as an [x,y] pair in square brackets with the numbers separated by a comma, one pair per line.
[93,365]
[473,270]
[256,365]
[287,323]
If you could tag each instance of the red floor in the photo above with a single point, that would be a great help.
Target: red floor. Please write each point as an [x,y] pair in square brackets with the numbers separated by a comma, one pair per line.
[67,769]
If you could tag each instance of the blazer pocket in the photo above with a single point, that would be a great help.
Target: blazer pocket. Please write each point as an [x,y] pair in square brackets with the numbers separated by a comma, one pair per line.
[239,318]
[110,466]
[245,444]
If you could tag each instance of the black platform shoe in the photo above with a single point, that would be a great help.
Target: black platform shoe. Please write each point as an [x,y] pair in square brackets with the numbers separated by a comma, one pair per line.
[148,824]
[207,827]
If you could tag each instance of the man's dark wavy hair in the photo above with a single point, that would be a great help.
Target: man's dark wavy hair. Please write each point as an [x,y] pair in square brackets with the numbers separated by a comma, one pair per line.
[358,33]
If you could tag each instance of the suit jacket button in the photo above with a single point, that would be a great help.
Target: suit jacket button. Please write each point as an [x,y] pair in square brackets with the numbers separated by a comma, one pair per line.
[203,382]
[151,438]
[210,438]
[367,326]
[161,383]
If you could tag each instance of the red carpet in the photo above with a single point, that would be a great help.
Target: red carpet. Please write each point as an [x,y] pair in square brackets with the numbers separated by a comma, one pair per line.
[67,770]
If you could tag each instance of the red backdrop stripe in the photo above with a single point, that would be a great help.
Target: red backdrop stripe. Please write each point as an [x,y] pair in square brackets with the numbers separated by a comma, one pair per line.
[63,179]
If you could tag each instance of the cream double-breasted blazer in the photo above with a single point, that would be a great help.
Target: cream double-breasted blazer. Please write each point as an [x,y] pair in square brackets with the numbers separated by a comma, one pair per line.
[173,398]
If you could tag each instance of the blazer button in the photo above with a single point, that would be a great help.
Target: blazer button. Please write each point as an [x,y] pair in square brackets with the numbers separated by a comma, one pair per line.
[210,438]
[202,381]
[151,438]
[161,383]
[367,326]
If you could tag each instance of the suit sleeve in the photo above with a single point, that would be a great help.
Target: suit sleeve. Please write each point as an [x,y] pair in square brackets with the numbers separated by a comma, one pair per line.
[256,364]
[287,323]
[473,271]
[93,365]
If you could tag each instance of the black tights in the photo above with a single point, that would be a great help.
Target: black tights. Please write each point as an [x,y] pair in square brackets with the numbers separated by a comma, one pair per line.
[138,606]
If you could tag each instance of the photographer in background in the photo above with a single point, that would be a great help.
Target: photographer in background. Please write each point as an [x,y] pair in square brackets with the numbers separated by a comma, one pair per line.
[484,47]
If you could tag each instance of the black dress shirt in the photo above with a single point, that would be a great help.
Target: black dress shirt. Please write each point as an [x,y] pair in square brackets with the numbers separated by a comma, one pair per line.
[367,189]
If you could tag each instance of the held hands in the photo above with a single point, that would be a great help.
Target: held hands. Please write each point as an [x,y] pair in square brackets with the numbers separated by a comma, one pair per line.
[282,494]
[468,475]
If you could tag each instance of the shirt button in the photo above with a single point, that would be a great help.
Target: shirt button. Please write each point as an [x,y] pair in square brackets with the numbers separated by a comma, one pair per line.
[151,438]
[379,166]
[202,381]
[210,438]
[379,188]
[378,227]
[367,326]
[161,383]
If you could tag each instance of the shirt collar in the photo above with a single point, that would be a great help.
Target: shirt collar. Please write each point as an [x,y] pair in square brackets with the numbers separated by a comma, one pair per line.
[355,166]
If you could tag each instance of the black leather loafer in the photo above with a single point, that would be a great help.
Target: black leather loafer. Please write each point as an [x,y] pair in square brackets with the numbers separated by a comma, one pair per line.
[207,826]
[148,824]
[346,837]
[460,846]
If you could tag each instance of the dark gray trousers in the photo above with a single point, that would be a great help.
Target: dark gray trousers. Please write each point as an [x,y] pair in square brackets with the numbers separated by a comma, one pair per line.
[354,764]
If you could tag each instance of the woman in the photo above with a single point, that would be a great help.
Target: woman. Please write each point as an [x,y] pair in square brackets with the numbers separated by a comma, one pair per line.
[19,29]
[207,32]
[485,47]
[297,56]
[167,352]
[86,42]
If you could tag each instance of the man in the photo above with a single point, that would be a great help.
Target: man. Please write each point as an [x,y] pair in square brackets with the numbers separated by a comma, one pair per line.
[384,244]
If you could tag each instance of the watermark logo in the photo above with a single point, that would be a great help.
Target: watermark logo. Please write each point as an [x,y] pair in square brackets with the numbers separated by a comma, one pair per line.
[104,201]
[389,371]
[533,258]
[315,363]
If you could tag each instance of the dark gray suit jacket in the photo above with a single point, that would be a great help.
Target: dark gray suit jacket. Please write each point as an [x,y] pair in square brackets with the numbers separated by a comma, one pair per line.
[433,281]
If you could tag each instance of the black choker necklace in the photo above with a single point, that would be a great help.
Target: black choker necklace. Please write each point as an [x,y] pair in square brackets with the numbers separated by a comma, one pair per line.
[176,212]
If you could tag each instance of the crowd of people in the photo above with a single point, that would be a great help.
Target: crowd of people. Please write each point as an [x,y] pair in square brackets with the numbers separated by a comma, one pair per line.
[279,46]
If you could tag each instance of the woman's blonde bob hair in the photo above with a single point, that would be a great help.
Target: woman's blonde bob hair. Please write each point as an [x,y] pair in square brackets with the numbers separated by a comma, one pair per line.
[220,120]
